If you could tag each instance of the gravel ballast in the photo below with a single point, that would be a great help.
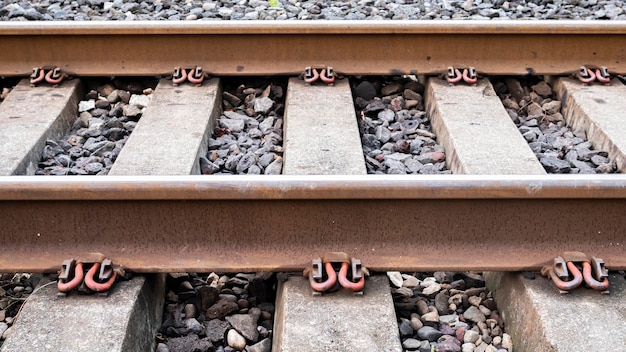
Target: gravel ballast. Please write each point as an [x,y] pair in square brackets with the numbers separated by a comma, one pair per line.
[395,130]
[533,107]
[248,136]
[221,313]
[106,117]
[123,10]
[447,312]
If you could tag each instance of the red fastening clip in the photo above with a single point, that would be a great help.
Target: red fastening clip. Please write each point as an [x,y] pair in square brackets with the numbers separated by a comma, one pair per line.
[586,75]
[196,76]
[327,75]
[601,280]
[603,75]
[559,273]
[358,278]
[469,75]
[70,268]
[310,75]
[593,273]
[316,274]
[106,273]
[37,76]
[179,76]
[454,75]
[54,76]
[355,281]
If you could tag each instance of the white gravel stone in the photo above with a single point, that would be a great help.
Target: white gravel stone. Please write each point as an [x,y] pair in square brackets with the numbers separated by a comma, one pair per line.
[475,300]
[471,336]
[235,340]
[86,105]
[140,100]
[507,342]
[396,278]
[433,288]
[491,348]
[7,333]
[468,347]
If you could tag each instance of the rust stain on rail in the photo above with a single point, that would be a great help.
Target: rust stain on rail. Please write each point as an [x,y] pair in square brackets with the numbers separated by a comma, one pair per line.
[225,48]
[248,235]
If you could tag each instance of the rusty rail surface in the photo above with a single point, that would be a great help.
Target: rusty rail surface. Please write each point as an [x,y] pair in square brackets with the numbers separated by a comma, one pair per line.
[351,47]
[249,223]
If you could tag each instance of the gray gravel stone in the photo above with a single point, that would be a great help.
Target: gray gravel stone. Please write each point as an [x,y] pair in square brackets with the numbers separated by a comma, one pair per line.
[264,345]
[474,314]
[404,325]
[411,344]
[215,330]
[232,125]
[245,324]
[263,105]
[429,333]
[189,343]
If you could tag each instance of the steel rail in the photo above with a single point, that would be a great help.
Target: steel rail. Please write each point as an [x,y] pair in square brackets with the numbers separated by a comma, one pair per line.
[196,223]
[351,47]
[247,187]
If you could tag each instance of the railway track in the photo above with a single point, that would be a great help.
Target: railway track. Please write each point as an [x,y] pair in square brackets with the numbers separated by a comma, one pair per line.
[477,210]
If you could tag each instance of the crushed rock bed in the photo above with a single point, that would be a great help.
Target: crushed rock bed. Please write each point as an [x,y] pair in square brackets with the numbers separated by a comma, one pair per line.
[532,105]
[395,130]
[192,10]
[248,136]
[14,290]
[447,312]
[221,313]
[106,117]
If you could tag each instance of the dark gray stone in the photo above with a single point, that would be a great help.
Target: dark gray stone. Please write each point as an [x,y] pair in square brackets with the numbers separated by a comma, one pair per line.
[429,333]
[216,330]
[405,327]
[411,344]
[555,165]
[365,90]
[264,345]
[189,343]
[246,325]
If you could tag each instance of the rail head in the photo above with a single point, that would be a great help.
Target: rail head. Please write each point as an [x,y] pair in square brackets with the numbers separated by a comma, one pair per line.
[25,188]
[103,28]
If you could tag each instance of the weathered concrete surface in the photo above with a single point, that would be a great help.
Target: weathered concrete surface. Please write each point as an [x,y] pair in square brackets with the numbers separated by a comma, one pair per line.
[600,110]
[476,131]
[173,132]
[338,321]
[321,133]
[29,116]
[322,138]
[126,320]
[539,319]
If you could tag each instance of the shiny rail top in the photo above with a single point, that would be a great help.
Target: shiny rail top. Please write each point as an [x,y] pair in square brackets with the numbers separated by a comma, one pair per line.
[351,47]
[267,187]
[247,223]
